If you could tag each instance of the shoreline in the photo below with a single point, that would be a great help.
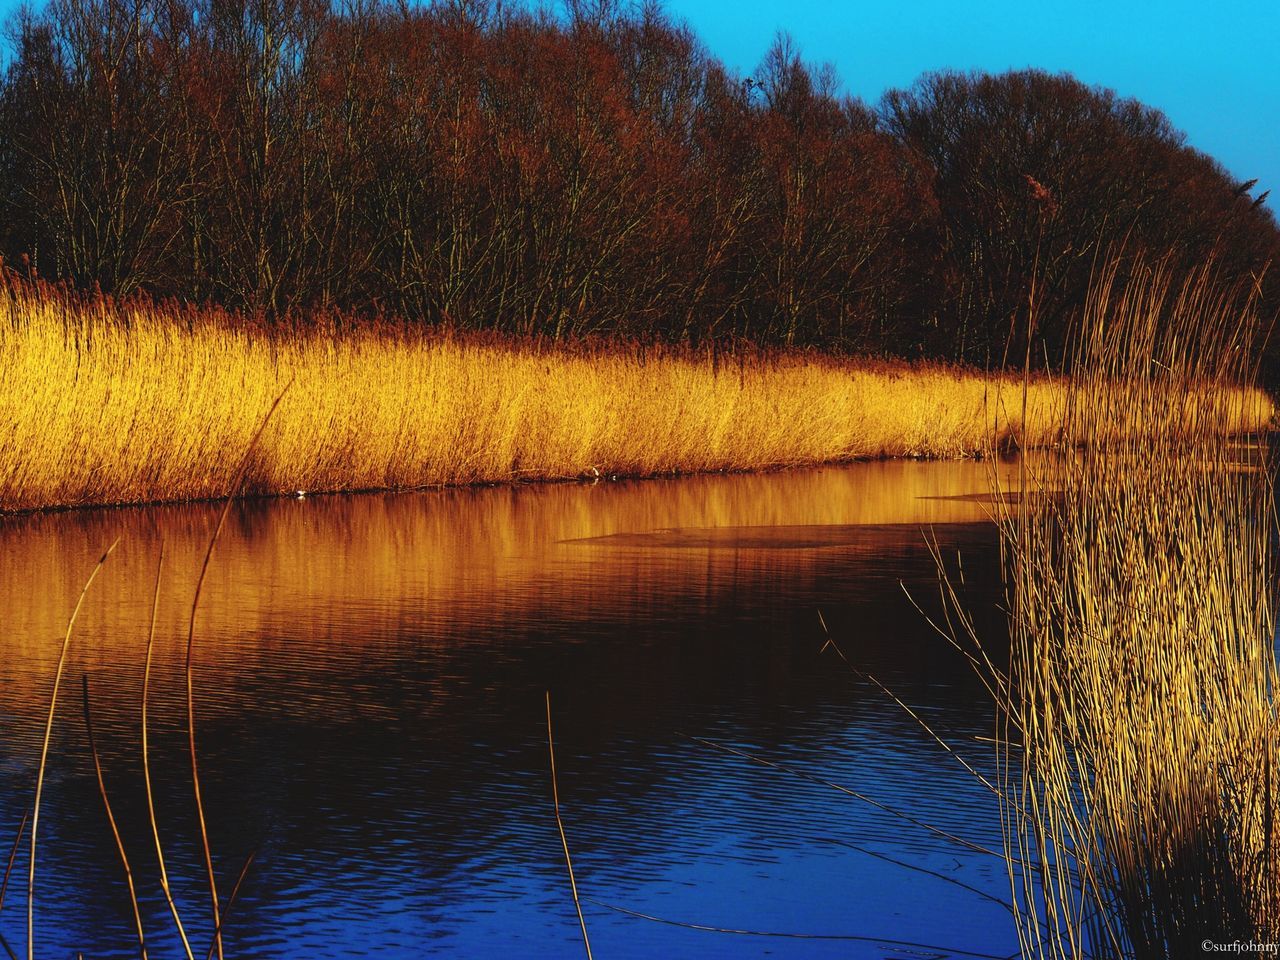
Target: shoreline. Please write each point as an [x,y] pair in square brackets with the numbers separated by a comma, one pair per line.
[586,481]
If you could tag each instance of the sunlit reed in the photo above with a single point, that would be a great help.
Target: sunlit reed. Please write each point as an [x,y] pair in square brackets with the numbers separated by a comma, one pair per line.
[1139,733]
[120,403]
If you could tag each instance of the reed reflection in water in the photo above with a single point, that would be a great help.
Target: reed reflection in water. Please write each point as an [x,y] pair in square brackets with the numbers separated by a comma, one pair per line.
[371,672]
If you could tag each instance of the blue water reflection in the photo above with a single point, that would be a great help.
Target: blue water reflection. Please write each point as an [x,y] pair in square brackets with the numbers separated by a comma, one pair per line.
[371,680]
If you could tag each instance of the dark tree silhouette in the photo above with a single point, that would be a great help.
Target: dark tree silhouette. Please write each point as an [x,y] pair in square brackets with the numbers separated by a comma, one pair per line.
[486,165]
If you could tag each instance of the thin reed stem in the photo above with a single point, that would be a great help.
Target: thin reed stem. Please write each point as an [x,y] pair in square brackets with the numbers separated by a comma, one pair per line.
[235,894]
[190,671]
[146,764]
[853,938]
[44,750]
[849,792]
[13,855]
[111,819]
[564,840]
[904,707]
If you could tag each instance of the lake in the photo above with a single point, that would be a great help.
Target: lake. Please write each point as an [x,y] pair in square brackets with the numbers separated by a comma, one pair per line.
[371,680]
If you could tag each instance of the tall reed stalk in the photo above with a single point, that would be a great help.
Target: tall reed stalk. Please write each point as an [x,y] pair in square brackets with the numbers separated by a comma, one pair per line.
[1139,734]
[44,750]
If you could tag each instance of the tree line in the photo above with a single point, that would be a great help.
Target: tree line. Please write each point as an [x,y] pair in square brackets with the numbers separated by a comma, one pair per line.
[593,170]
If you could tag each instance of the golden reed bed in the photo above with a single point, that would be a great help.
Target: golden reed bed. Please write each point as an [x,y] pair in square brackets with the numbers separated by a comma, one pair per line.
[107,403]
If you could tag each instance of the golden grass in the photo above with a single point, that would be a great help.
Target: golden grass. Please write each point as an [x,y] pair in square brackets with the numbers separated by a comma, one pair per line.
[103,402]
[1140,739]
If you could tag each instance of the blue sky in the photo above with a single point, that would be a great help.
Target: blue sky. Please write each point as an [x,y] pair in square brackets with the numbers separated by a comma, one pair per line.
[1214,69]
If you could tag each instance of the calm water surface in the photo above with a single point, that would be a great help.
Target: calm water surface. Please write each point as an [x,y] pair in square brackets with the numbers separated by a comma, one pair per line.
[371,719]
